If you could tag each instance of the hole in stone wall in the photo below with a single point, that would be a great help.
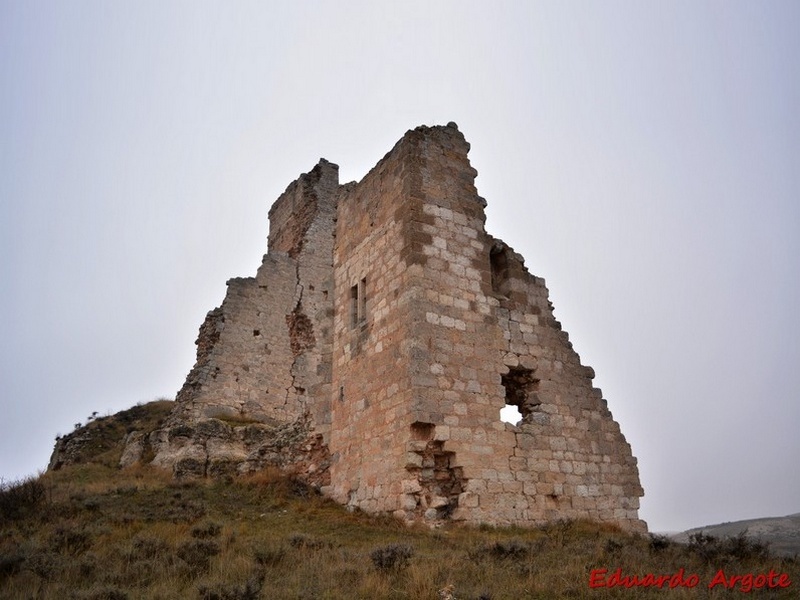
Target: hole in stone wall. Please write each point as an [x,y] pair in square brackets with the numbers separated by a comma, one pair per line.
[440,481]
[510,414]
[521,395]
[256,332]
[498,260]
[422,431]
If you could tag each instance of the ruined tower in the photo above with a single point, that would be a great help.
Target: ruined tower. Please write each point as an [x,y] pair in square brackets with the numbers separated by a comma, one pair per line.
[374,349]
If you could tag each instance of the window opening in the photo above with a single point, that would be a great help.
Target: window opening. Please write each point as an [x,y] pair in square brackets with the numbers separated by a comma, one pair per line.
[362,308]
[498,261]
[358,304]
[522,398]
[354,306]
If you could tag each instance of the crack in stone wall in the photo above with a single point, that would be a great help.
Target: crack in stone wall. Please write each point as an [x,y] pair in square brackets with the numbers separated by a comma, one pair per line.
[301,338]
[261,353]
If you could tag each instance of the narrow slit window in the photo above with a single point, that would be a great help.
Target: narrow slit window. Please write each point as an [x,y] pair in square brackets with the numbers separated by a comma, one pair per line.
[362,306]
[354,306]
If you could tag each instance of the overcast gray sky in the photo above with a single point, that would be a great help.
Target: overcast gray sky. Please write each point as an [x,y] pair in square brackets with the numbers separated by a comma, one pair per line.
[644,157]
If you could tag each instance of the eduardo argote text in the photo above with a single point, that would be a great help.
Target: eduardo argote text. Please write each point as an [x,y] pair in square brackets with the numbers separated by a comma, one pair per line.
[602,578]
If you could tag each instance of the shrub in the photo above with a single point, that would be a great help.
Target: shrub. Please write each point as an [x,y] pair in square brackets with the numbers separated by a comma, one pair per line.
[105,593]
[502,550]
[146,547]
[269,556]
[70,540]
[46,565]
[10,563]
[745,548]
[18,498]
[300,489]
[659,543]
[197,554]
[714,550]
[87,566]
[392,557]
[299,540]
[184,512]
[250,590]
[206,530]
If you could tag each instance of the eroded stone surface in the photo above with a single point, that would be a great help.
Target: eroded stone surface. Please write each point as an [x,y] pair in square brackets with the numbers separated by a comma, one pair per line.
[374,349]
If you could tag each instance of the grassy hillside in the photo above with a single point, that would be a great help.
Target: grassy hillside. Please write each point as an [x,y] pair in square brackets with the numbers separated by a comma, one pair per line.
[91,531]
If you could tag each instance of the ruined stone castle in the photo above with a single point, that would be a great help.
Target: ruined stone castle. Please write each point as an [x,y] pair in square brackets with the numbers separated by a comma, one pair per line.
[375,347]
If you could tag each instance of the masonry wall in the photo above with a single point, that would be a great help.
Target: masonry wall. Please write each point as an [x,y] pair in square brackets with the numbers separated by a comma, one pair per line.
[459,437]
[373,337]
[489,339]
[582,463]
[264,355]
[243,351]
[302,224]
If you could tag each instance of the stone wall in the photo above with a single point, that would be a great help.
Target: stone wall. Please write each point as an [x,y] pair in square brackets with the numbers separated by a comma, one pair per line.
[387,329]
[374,343]
[489,339]
[263,356]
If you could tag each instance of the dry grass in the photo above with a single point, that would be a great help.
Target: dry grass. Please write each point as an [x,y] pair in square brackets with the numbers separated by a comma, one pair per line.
[99,533]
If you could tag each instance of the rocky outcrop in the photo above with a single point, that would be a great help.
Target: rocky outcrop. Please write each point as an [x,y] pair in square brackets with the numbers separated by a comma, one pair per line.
[205,448]
[218,448]
[121,438]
